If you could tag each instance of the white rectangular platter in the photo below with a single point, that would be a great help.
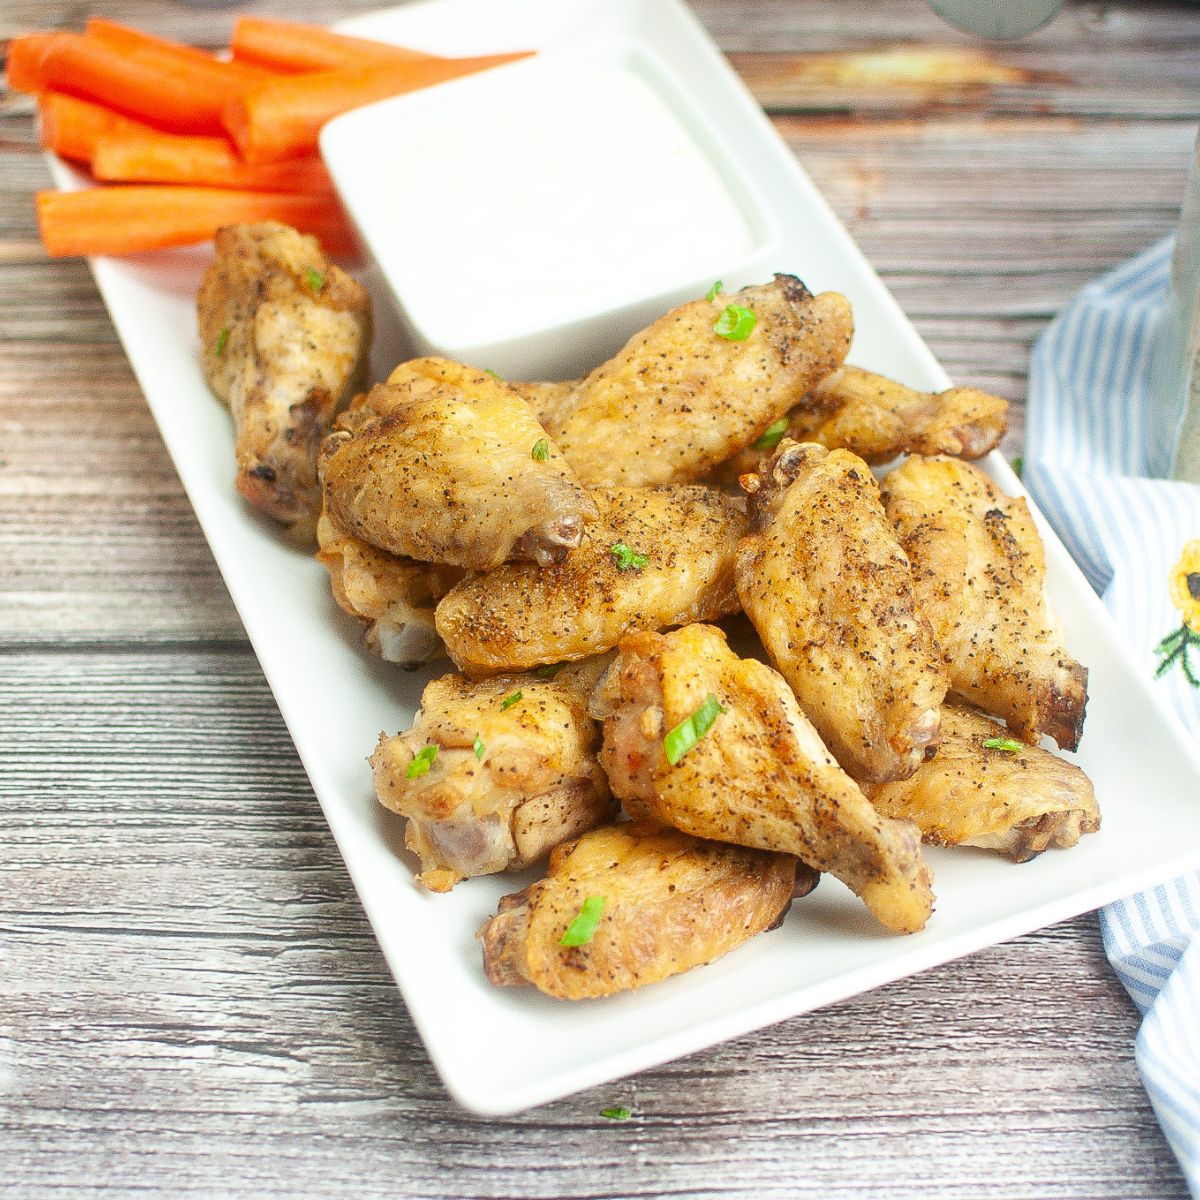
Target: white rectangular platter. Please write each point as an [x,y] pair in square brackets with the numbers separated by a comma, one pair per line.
[503,1050]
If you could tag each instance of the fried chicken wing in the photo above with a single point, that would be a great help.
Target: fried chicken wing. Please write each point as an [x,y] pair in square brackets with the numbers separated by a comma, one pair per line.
[670,903]
[393,597]
[515,772]
[680,398]
[284,338]
[447,464]
[656,557]
[759,776]
[971,794]
[548,399]
[829,590]
[979,576]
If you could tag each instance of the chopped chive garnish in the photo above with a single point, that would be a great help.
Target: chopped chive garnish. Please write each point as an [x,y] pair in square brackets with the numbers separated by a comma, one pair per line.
[549,671]
[422,760]
[541,450]
[479,747]
[714,291]
[314,279]
[772,435]
[509,701]
[1018,466]
[222,338]
[494,374]
[1009,744]
[583,928]
[688,732]
[735,323]
[616,1113]
[627,559]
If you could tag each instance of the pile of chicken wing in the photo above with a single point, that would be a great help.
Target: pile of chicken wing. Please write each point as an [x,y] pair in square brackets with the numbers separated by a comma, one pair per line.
[581,552]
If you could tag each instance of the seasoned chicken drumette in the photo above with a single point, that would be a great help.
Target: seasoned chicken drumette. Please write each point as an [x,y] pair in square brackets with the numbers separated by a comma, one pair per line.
[1015,801]
[829,590]
[668,902]
[879,419]
[284,337]
[495,773]
[680,398]
[656,557]
[393,597]
[979,575]
[757,774]
[447,464]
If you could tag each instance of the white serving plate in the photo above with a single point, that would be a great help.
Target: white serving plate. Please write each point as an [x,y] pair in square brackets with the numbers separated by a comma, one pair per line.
[503,1050]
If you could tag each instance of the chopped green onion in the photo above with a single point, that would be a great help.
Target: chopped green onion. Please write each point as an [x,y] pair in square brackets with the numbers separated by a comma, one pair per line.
[616,1113]
[688,732]
[222,338]
[549,671]
[314,279]
[509,701]
[1009,744]
[422,760]
[494,374]
[1018,466]
[735,323]
[541,450]
[627,559]
[714,291]
[479,747]
[772,435]
[583,928]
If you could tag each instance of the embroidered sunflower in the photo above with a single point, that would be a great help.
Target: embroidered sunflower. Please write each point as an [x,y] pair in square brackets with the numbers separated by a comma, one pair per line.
[1185,595]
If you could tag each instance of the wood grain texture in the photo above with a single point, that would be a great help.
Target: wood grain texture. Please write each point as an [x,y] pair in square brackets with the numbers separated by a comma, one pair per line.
[191,1002]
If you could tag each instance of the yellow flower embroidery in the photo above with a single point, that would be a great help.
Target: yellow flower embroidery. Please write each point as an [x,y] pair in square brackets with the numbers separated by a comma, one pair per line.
[1184,589]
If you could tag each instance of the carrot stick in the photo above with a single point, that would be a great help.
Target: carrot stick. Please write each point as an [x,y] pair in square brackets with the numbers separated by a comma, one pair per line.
[183,96]
[71,127]
[283,119]
[124,37]
[293,46]
[23,72]
[125,220]
[148,156]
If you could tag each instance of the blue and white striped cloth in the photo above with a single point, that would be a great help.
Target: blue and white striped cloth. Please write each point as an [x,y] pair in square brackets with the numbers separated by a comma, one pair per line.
[1093,447]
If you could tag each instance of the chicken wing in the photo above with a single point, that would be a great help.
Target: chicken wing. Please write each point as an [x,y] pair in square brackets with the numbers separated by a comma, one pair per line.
[758,776]
[656,557]
[284,338]
[393,597]
[979,576]
[514,772]
[829,590]
[447,464]
[971,793]
[670,902]
[680,398]
[549,400]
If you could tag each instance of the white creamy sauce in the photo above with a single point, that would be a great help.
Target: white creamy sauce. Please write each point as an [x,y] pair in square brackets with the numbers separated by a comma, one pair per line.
[550,203]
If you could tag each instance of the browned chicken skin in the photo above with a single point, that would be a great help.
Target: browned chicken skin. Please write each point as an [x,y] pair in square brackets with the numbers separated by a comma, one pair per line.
[447,464]
[519,616]
[760,776]
[284,337]
[829,590]
[979,575]
[671,903]
[511,778]
[679,398]
[1017,802]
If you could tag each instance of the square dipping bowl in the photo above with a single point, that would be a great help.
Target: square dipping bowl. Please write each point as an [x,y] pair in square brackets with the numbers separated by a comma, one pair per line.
[531,218]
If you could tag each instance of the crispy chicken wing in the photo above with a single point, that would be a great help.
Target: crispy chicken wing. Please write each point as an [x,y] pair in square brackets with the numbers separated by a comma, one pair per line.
[829,590]
[969,794]
[511,777]
[393,597]
[656,557]
[548,399]
[979,576]
[759,776]
[447,464]
[671,903]
[284,336]
[680,398]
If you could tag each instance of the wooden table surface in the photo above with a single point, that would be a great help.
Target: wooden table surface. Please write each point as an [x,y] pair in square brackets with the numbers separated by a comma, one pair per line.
[191,1001]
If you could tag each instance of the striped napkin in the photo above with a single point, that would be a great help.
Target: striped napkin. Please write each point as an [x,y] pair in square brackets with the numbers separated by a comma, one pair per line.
[1093,447]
